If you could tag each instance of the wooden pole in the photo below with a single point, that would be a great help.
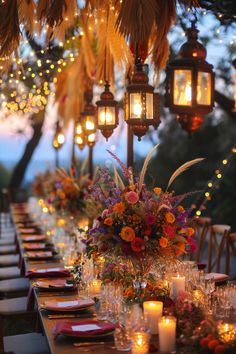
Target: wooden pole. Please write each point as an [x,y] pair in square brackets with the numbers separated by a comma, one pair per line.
[130,147]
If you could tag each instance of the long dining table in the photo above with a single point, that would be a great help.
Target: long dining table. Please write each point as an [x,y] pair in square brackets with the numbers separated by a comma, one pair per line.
[48,320]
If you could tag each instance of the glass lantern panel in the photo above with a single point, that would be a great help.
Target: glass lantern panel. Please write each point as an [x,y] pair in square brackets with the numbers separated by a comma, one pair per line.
[149,106]
[89,123]
[106,116]
[135,105]
[183,87]
[79,140]
[91,138]
[204,88]
[61,138]
[78,128]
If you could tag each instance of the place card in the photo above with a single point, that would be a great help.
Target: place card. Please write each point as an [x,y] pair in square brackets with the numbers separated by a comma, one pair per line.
[67,303]
[85,328]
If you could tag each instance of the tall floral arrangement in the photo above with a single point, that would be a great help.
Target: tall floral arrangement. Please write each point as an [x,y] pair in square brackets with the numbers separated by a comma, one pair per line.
[137,222]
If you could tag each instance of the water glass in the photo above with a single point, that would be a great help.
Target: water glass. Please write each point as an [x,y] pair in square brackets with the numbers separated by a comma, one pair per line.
[122,339]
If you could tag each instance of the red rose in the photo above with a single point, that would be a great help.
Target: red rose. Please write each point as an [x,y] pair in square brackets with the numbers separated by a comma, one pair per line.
[150,219]
[138,244]
[169,230]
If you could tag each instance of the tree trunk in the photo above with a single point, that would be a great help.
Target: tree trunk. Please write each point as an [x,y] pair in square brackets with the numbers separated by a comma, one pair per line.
[225,103]
[20,169]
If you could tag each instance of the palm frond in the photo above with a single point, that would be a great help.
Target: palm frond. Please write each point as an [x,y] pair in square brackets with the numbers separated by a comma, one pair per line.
[144,168]
[183,168]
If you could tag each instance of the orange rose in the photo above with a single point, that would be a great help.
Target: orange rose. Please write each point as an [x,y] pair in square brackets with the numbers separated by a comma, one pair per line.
[108,221]
[127,234]
[190,231]
[157,190]
[163,242]
[180,209]
[119,208]
[180,249]
[170,218]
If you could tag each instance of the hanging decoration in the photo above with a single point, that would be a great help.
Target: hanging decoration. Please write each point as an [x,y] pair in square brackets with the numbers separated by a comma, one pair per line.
[190,83]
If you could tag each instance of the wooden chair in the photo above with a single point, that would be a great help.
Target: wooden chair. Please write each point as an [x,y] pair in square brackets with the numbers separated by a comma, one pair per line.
[202,228]
[230,249]
[29,343]
[218,236]
[10,272]
[14,287]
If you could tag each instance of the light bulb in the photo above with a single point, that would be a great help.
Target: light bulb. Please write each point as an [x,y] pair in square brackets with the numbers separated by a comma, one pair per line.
[137,108]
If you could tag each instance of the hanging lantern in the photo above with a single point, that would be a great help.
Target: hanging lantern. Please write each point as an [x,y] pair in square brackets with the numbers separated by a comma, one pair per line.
[80,141]
[141,103]
[91,139]
[190,83]
[107,112]
[88,115]
[59,138]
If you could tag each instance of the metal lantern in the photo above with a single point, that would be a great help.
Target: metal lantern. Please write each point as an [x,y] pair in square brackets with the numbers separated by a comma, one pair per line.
[141,103]
[190,83]
[107,112]
[91,139]
[80,141]
[88,119]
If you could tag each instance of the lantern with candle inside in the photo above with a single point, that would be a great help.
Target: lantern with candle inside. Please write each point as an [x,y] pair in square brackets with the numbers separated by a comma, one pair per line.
[141,103]
[167,334]
[91,139]
[226,331]
[107,112]
[79,141]
[140,343]
[152,311]
[59,137]
[190,83]
[178,285]
[88,120]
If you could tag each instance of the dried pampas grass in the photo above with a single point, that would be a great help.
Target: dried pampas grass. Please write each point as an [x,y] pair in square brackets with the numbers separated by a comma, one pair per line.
[9,27]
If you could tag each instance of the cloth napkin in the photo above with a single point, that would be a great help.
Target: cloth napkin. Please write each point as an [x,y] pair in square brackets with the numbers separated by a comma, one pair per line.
[44,273]
[34,246]
[30,238]
[27,230]
[217,276]
[83,328]
[39,254]
[54,283]
[66,305]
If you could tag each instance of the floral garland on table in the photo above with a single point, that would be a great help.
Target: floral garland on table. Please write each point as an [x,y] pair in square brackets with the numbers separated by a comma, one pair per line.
[138,223]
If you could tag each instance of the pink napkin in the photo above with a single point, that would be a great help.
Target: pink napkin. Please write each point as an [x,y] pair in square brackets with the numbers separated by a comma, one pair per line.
[44,273]
[30,238]
[217,276]
[68,305]
[83,328]
[54,283]
[27,230]
[34,246]
[39,254]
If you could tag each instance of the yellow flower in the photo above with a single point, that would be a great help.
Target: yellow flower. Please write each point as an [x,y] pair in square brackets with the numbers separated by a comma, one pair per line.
[119,208]
[180,209]
[157,190]
[127,234]
[108,221]
[190,231]
[163,242]
[170,218]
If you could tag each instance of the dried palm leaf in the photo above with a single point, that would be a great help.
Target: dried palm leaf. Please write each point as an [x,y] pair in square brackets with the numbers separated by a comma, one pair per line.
[181,169]
[26,9]
[68,13]
[9,27]
[144,168]
[43,8]
[189,3]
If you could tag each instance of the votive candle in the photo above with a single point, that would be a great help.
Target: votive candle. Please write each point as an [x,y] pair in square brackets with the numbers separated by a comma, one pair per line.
[226,332]
[167,334]
[152,312]
[140,343]
[178,284]
[95,287]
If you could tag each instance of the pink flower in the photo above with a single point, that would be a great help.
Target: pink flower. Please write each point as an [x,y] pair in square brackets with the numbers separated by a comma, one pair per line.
[104,213]
[150,219]
[131,197]
[192,244]
[169,230]
[138,244]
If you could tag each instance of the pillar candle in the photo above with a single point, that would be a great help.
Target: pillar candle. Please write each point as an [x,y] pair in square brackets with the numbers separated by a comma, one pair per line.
[167,334]
[178,284]
[152,312]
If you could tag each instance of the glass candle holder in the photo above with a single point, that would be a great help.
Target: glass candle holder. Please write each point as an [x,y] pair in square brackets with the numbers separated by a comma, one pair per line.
[167,334]
[140,343]
[122,339]
[226,332]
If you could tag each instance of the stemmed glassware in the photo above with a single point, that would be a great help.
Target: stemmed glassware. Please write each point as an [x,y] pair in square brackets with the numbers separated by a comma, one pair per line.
[207,285]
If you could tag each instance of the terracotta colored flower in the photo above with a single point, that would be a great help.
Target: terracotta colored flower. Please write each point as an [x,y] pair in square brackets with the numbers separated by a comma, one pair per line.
[108,221]
[170,218]
[131,197]
[127,234]
[180,249]
[157,190]
[62,195]
[163,242]
[192,245]
[138,244]
[150,219]
[190,231]
[147,232]
[119,208]
[180,209]
[169,230]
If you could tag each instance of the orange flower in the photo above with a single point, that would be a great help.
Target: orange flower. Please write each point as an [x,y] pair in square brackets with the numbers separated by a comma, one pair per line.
[119,208]
[127,234]
[180,248]
[163,242]
[108,221]
[61,194]
[180,209]
[190,231]
[157,190]
[170,218]
[182,230]
[129,292]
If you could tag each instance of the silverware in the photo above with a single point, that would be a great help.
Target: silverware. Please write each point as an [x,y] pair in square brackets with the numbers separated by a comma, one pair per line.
[55,317]
[93,344]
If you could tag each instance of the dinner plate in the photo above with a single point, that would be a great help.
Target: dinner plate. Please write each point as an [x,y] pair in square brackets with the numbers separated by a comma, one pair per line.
[27,230]
[38,254]
[68,306]
[32,238]
[57,284]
